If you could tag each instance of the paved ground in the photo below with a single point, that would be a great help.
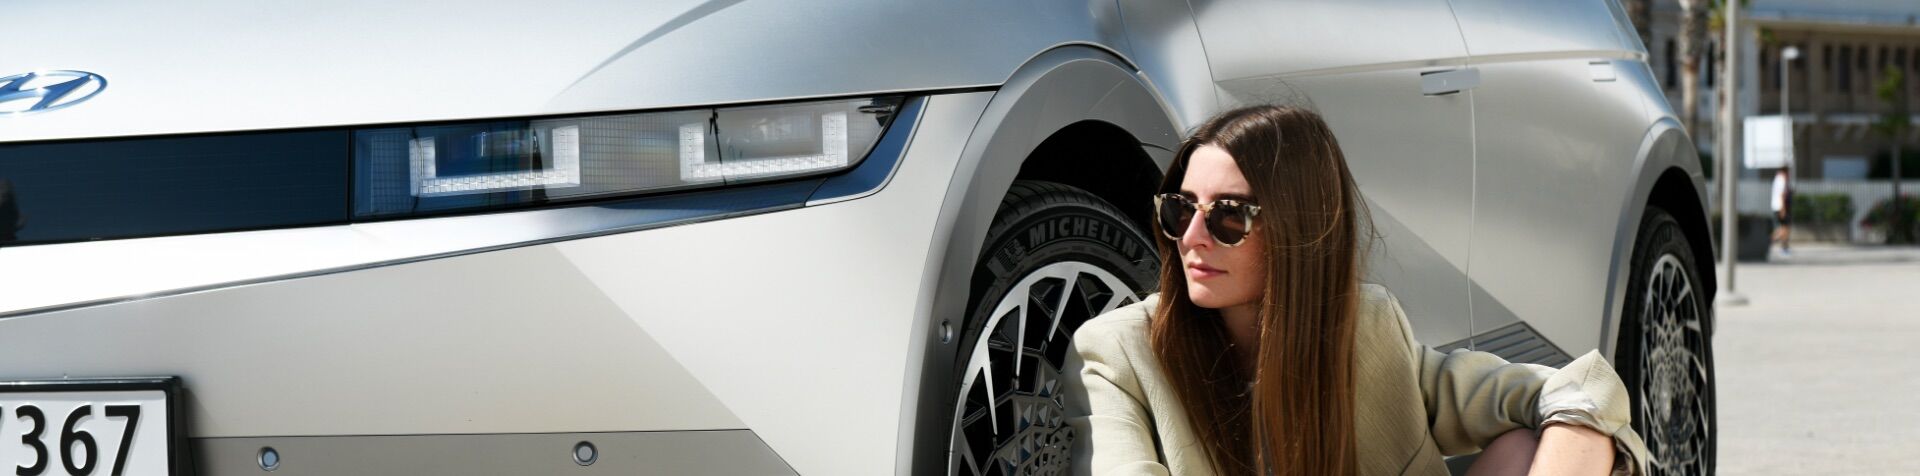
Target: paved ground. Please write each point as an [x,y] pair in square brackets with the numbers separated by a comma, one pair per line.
[1820,373]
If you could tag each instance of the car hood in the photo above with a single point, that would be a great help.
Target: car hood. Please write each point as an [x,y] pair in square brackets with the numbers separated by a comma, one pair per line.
[185,67]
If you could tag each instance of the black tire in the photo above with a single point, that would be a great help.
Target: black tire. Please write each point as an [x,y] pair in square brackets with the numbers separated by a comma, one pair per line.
[1665,350]
[1048,242]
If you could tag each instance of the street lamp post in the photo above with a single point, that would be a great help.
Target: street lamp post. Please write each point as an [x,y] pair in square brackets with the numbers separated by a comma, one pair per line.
[1787,55]
[1729,176]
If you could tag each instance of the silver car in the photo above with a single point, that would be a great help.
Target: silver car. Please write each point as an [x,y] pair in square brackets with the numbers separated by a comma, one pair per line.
[728,237]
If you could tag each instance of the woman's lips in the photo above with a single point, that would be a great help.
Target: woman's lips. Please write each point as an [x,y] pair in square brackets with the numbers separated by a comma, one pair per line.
[1201,271]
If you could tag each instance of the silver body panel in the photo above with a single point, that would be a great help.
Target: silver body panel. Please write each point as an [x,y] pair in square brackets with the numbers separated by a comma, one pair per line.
[1561,115]
[1250,38]
[1540,244]
[1411,154]
[810,331]
[231,65]
[1165,44]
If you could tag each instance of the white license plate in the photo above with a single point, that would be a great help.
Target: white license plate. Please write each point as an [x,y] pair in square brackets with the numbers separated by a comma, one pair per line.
[86,428]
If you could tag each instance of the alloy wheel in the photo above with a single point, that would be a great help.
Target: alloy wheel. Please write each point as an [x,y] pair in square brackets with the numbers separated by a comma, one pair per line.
[1011,418]
[1672,347]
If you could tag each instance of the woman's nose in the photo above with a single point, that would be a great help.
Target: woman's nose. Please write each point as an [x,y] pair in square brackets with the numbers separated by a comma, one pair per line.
[1196,235]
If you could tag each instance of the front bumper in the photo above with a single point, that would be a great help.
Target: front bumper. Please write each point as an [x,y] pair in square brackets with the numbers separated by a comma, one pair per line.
[792,325]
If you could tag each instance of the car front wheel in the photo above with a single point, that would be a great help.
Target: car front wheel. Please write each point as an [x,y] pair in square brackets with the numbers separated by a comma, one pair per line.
[1665,350]
[1055,257]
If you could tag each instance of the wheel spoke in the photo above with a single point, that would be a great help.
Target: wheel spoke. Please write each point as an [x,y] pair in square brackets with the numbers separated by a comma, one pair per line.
[1119,299]
[1033,317]
[993,415]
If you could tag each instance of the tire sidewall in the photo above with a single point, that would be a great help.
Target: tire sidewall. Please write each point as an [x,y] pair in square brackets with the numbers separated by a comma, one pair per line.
[1052,231]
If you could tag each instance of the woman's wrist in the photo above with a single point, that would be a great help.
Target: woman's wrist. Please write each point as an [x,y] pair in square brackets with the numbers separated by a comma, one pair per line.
[1573,450]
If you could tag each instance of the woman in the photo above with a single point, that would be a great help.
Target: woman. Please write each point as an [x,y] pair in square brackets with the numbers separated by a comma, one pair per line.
[1264,354]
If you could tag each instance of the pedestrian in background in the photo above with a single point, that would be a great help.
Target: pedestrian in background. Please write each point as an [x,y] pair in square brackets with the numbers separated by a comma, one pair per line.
[1783,210]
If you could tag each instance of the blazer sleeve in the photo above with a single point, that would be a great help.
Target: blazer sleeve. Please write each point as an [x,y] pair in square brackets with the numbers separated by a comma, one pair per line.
[1473,397]
[1113,431]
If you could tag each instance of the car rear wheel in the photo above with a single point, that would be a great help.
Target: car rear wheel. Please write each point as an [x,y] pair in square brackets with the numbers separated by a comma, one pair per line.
[1665,350]
[1055,257]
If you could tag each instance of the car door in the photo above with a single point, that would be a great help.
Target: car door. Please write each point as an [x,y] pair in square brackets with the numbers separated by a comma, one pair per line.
[1557,128]
[1362,65]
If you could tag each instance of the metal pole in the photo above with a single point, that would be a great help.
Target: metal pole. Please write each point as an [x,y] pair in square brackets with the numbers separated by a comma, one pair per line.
[1787,55]
[1729,174]
[1895,232]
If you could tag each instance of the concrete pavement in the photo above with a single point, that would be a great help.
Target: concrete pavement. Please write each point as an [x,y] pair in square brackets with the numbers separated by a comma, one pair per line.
[1820,373]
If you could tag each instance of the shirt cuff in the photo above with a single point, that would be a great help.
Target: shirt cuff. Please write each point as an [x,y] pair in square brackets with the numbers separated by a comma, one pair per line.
[1587,392]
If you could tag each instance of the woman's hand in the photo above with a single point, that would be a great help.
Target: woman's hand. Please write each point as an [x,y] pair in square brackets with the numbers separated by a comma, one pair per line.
[1572,450]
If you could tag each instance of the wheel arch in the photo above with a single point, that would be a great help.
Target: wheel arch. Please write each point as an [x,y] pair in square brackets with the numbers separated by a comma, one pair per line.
[1073,98]
[1103,159]
[1668,175]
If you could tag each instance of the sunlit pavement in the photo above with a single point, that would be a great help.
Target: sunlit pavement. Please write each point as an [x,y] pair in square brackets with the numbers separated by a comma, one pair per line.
[1820,372]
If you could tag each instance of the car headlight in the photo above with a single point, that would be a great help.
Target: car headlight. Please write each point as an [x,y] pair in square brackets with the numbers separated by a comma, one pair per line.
[449,167]
[94,189]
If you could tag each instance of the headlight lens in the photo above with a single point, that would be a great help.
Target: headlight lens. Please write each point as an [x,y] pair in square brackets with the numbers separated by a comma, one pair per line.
[407,170]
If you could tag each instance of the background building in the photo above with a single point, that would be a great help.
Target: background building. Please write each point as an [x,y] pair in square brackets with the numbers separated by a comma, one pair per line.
[1846,48]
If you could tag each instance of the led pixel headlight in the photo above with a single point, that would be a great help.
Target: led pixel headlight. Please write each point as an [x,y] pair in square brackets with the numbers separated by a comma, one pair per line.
[763,142]
[562,171]
[445,167]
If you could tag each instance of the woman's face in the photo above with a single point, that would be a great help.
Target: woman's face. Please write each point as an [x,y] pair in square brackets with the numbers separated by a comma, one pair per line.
[1217,276]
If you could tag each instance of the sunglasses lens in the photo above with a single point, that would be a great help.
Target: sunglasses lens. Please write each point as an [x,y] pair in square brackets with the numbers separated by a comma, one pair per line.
[1228,223]
[1174,214]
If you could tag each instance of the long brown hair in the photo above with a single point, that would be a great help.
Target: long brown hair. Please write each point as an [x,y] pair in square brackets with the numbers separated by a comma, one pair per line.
[1297,418]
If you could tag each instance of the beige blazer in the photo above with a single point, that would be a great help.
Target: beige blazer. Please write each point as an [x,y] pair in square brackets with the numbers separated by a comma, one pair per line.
[1415,405]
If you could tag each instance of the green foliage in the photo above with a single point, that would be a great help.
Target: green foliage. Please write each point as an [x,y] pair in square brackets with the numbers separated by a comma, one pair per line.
[1818,208]
[1904,227]
[1909,205]
[1892,92]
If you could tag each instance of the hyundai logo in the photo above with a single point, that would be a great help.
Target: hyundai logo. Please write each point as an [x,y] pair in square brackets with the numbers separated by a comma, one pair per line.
[42,91]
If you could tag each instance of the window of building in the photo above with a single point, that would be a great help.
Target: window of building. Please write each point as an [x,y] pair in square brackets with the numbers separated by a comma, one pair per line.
[1772,74]
[1844,74]
[1826,65]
